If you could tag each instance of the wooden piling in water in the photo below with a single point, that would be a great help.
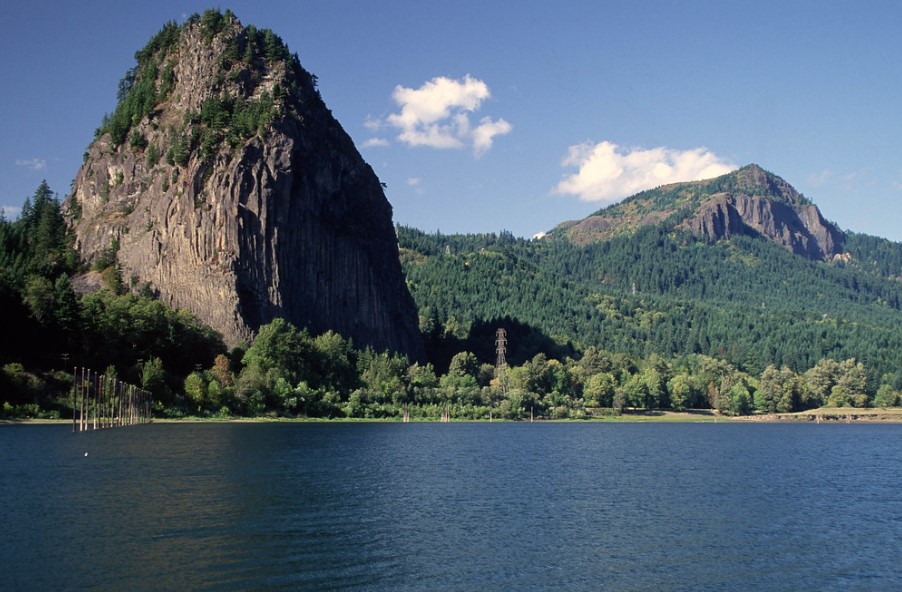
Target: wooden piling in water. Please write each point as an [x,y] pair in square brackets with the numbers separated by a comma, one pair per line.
[104,379]
[100,401]
[85,392]
[111,403]
[74,394]
[81,414]
[89,396]
[74,397]
[107,401]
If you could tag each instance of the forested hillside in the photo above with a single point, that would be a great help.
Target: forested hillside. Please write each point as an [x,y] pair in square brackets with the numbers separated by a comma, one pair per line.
[747,300]
[49,328]
[874,254]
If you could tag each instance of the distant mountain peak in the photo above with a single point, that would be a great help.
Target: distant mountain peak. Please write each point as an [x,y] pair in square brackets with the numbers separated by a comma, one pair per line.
[748,201]
[754,180]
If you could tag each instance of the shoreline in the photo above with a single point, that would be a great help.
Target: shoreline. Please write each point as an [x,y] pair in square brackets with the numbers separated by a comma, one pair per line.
[887,415]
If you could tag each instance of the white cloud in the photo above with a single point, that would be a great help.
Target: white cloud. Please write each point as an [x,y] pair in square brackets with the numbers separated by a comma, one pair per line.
[607,173]
[820,178]
[373,124]
[417,184]
[35,164]
[375,143]
[10,212]
[486,131]
[436,115]
[831,177]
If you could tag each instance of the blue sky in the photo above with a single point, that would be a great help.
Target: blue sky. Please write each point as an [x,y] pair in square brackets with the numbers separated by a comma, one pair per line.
[483,116]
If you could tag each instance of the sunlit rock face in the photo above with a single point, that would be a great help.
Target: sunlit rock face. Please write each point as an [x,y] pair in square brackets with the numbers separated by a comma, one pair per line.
[237,195]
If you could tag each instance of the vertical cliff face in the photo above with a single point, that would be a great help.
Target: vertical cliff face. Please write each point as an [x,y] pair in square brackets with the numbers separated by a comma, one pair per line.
[224,183]
[799,228]
[760,204]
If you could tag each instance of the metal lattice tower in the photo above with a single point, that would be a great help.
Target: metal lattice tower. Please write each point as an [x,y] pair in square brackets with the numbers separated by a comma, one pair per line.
[500,361]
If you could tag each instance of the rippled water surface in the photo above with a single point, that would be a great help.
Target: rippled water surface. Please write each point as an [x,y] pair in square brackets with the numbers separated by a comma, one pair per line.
[452,507]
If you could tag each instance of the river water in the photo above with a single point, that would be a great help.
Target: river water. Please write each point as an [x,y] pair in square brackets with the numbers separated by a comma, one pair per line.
[482,506]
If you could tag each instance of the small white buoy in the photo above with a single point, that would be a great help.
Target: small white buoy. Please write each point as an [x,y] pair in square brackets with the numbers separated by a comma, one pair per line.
[86,454]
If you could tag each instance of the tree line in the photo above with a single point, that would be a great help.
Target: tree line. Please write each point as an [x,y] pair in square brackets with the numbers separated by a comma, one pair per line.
[746,300]
[577,347]
[289,373]
[50,327]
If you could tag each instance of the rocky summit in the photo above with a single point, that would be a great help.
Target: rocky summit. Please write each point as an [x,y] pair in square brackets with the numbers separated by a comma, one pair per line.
[223,184]
[749,201]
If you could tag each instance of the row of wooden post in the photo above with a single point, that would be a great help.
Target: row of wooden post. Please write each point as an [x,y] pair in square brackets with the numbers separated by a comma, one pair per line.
[105,402]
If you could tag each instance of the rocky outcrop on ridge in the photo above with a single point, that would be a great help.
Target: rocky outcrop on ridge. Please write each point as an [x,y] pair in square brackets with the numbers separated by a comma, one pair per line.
[799,228]
[749,201]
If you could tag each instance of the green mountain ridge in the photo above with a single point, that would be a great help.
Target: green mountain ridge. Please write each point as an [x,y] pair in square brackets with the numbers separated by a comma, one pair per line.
[678,197]
[748,201]
[647,283]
